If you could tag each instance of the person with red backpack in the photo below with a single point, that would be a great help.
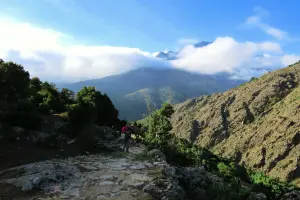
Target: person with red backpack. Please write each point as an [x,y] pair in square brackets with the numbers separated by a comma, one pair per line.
[127,132]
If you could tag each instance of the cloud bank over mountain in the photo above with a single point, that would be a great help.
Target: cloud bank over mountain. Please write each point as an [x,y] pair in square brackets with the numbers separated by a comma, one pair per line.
[224,54]
[56,56]
[47,54]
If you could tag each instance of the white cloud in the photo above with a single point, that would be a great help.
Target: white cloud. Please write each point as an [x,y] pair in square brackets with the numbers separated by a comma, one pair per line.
[277,33]
[44,53]
[289,59]
[269,46]
[256,21]
[155,54]
[55,56]
[223,55]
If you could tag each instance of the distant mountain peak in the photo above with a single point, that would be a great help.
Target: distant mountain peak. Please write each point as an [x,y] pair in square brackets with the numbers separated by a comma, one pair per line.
[172,55]
[202,44]
[167,55]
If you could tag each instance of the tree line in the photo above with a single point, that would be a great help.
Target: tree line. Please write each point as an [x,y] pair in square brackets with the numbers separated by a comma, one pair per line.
[24,101]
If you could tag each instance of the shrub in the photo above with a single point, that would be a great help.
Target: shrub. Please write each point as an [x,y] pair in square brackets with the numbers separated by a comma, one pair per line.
[273,184]
[224,170]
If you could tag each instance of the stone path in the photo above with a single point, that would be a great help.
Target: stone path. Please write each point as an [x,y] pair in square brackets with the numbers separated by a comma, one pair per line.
[109,176]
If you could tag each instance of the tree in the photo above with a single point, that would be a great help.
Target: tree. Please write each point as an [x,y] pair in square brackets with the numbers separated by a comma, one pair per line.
[49,97]
[67,96]
[159,126]
[87,95]
[14,81]
[35,84]
[166,110]
[94,107]
[106,111]
[82,114]
[17,109]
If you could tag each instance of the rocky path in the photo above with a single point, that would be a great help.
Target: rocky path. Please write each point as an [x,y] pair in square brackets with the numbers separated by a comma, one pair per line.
[107,176]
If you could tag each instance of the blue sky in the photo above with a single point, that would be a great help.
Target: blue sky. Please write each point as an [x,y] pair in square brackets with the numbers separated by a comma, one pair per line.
[152,25]
[155,25]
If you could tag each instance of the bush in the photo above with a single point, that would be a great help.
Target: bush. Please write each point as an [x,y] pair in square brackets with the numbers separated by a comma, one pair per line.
[224,170]
[273,184]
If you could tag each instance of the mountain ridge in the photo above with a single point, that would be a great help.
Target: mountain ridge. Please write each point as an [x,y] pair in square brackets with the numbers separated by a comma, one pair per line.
[159,85]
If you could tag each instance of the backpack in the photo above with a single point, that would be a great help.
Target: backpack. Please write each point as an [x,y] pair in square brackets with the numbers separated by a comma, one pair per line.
[124,129]
[124,132]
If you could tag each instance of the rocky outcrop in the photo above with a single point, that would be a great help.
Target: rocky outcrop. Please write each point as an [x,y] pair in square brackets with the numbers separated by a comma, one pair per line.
[257,196]
[165,189]
[110,175]
[295,195]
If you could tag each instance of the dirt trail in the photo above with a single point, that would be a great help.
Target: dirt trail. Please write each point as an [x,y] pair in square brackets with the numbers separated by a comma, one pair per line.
[107,176]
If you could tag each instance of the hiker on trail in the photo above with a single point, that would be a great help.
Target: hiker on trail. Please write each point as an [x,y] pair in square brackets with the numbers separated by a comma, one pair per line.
[127,132]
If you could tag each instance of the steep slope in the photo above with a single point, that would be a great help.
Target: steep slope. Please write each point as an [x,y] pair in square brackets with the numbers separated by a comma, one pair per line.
[138,91]
[258,123]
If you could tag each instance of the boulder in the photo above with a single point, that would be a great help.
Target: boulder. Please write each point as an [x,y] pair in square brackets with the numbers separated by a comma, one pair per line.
[165,189]
[156,153]
[194,177]
[195,180]
[170,171]
[257,196]
[294,195]
[46,175]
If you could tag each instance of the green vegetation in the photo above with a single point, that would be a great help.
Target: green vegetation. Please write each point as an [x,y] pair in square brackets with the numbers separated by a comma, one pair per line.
[24,101]
[181,152]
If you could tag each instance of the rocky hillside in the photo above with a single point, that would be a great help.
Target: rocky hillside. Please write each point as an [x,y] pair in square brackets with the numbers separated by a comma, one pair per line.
[257,123]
